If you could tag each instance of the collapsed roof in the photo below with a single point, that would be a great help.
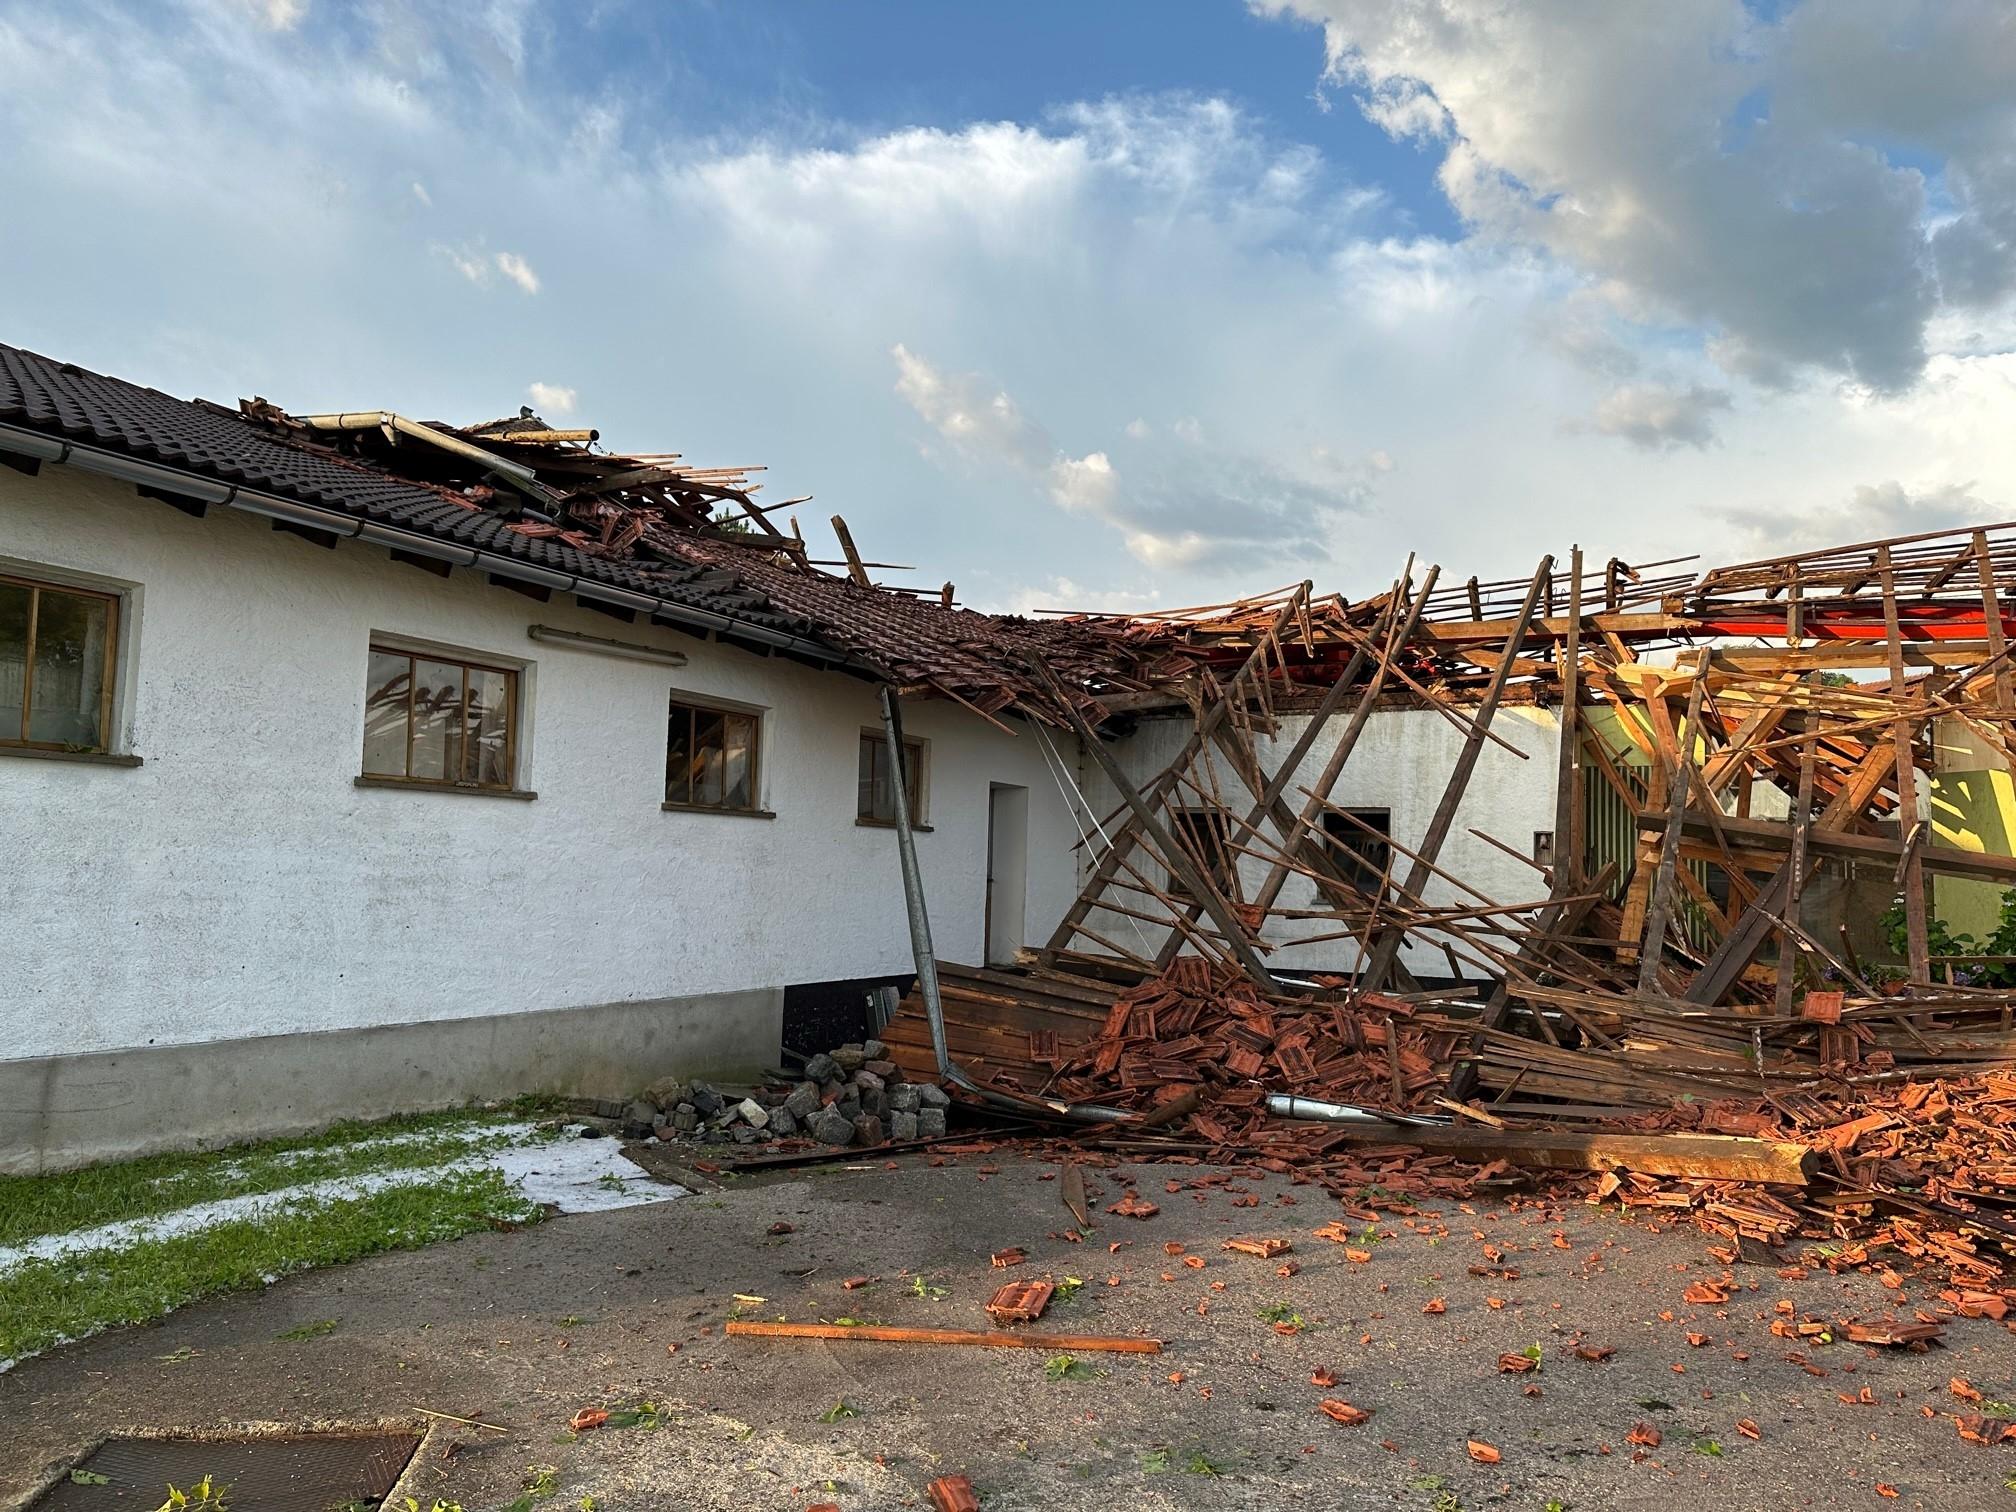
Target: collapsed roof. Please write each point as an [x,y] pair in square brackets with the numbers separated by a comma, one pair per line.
[547,506]
[537,504]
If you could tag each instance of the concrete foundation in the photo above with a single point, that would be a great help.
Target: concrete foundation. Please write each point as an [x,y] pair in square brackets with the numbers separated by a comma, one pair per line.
[61,1111]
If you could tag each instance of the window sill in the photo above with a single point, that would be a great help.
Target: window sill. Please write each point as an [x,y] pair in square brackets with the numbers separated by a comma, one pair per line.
[708,808]
[92,758]
[470,790]
[889,824]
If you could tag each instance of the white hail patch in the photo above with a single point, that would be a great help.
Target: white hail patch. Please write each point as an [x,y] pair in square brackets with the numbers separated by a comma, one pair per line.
[573,1175]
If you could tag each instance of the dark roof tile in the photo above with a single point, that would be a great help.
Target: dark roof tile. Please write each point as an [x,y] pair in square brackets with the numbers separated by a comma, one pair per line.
[66,401]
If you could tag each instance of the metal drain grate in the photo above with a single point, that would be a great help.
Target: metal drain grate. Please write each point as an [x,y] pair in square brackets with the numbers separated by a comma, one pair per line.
[305,1473]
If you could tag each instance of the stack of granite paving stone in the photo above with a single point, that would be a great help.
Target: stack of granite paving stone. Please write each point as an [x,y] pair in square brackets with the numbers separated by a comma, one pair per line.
[851,1096]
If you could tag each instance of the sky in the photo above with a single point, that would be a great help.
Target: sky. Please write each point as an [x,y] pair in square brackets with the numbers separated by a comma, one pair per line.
[1084,306]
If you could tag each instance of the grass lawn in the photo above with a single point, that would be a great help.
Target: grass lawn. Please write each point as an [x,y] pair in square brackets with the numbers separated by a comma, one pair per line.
[32,1207]
[405,1198]
[45,1302]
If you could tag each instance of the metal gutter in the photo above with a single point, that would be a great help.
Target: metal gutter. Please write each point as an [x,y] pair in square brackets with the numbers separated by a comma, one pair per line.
[111,464]
[1284,1105]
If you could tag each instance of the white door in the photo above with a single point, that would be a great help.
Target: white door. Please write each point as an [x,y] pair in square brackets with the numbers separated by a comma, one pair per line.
[1007,871]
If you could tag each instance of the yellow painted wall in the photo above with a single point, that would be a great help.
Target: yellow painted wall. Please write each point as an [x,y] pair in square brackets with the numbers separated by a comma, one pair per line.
[1973,808]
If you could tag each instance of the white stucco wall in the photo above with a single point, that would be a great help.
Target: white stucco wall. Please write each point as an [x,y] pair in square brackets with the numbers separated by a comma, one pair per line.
[1401,762]
[238,883]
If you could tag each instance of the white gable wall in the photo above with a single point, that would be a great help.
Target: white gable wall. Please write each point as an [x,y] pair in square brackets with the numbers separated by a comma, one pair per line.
[1401,762]
[239,884]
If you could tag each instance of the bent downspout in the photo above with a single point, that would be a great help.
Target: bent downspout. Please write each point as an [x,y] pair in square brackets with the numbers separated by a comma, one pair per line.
[926,958]
[1315,1109]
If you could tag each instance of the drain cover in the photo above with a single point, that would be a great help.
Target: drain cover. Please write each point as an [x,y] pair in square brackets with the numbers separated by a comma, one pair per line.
[307,1473]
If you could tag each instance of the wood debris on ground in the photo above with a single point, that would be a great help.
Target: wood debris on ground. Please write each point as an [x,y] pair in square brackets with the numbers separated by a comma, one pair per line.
[1692,1003]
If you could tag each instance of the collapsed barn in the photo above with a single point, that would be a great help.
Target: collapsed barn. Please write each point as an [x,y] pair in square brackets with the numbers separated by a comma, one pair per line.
[1768,734]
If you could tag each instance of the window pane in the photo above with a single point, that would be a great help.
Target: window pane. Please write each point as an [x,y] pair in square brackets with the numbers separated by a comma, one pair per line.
[385,714]
[1203,837]
[69,687]
[864,782]
[877,797]
[437,721]
[1365,832]
[709,783]
[913,779]
[489,729]
[679,755]
[739,763]
[13,657]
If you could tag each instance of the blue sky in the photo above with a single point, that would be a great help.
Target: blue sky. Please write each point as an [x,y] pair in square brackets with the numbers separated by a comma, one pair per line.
[884,67]
[1085,305]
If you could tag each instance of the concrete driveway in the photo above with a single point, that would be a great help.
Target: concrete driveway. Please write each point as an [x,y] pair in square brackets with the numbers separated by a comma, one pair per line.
[523,1329]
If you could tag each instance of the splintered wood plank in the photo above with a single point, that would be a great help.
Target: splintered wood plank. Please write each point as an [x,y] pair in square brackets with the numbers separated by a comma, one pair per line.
[873,1333]
[1917,948]
[1659,909]
[1074,1195]
[1715,1157]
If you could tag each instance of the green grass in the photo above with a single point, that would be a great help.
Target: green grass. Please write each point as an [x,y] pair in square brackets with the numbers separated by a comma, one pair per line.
[33,1207]
[43,1302]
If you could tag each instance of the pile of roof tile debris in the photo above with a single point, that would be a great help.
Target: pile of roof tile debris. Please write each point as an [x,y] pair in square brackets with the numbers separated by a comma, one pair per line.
[700,532]
[1210,1029]
[1690,1008]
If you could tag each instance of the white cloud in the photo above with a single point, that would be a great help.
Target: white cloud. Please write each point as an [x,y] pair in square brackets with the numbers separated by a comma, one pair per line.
[1871,512]
[477,265]
[552,397]
[1703,164]
[277,15]
[1086,483]
[1053,594]
[1185,506]
[979,424]
[1658,418]
[420,193]
[519,271]
[471,265]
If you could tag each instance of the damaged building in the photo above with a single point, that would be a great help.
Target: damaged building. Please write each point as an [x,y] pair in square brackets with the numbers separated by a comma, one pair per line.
[343,777]
[376,764]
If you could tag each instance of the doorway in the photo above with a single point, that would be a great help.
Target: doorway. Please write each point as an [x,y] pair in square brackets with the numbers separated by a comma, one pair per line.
[1007,872]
